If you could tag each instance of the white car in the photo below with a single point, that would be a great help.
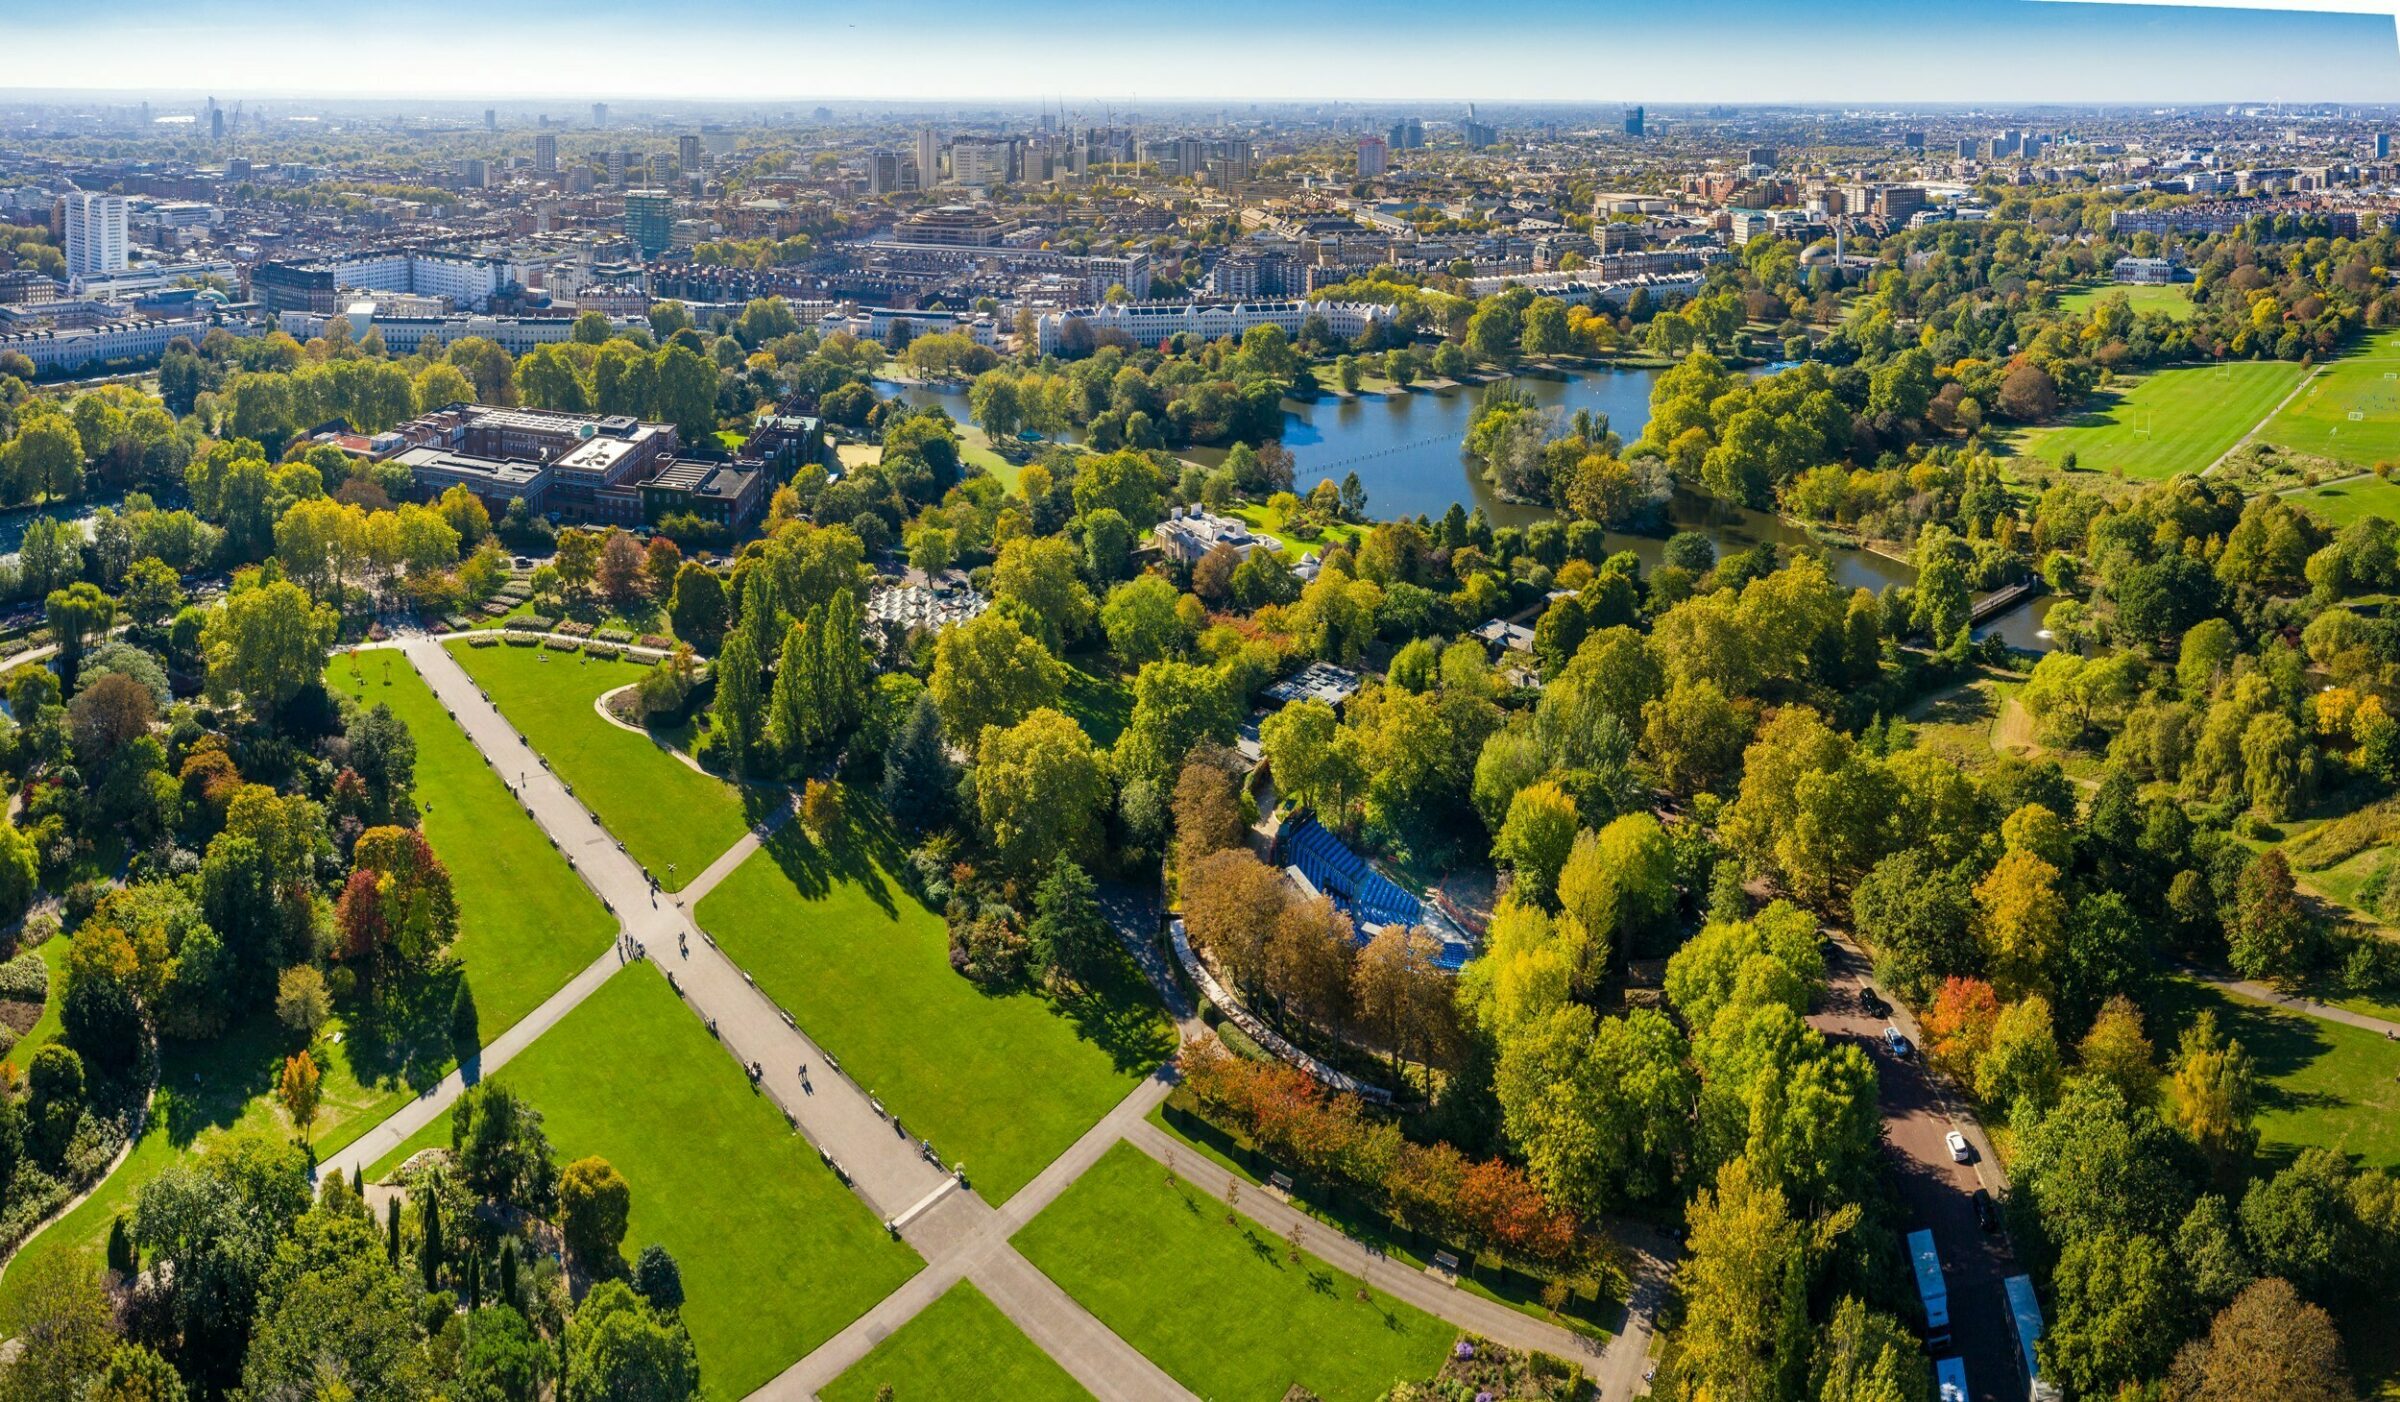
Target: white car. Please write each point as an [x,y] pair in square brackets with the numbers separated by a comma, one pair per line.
[1959,1152]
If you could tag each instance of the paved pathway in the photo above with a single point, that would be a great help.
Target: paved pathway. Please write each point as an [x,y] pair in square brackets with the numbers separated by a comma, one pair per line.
[877,1157]
[958,1234]
[2307,377]
[2267,993]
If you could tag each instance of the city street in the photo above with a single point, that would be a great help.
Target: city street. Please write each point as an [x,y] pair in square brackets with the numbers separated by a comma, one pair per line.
[1934,1191]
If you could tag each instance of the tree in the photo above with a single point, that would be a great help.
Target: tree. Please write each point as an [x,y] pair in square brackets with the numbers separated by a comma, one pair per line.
[1693,735]
[1315,762]
[658,1279]
[2120,1307]
[1041,789]
[1600,1109]
[1744,1285]
[265,643]
[2021,1067]
[739,727]
[1398,989]
[2023,921]
[1035,580]
[796,708]
[1142,621]
[2116,1048]
[696,608]
[987,672]
[684,392]
[1866,1356]
[2271,935]
[210,1226]
[1231,903]
[620,573]
[620,1349]
[45,459]
[504,1360]
[62,1316]
[2267,1344]
[1176,706]
[78,615]
[1069,935]
[918,777]
[106,715]
[821,809]
[298,1090]
[501,1152]
[594,1202]
[1619,883]
[466,1029]
[1536,838]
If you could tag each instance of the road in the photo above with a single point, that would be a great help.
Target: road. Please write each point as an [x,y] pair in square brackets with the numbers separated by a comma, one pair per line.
[1933,1190]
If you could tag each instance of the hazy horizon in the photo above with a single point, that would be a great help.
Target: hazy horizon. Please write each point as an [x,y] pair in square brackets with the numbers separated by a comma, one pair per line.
[1092,54]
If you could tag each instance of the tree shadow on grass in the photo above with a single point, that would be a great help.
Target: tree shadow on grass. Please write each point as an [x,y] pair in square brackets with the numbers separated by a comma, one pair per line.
[1118,1012]
[405,1038]
[860,852]
[206,1086]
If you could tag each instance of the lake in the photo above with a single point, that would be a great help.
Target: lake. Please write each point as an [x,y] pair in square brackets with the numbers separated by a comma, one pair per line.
[1406,450]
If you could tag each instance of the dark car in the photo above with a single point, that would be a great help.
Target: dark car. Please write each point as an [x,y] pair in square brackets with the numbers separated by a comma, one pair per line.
[1873,1002]
[1986,1215]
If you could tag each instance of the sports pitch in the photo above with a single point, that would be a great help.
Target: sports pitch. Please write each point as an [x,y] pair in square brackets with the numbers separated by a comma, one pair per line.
[2349,410]
[2178,420]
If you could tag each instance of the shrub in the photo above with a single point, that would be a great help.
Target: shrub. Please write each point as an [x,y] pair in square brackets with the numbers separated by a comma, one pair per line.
[25,977]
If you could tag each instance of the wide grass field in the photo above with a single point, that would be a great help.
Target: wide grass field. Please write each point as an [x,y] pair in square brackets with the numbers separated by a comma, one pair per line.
[2351,499]
[777,1256]
[1221,1307]
[2171,421]
[665,812]
[2318,420]
[961,1348]
[1003,1081]
[2320,1084]
[526,923]
[2146,299]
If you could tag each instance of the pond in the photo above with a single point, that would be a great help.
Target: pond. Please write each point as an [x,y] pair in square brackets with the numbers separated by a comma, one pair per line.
[1406,450]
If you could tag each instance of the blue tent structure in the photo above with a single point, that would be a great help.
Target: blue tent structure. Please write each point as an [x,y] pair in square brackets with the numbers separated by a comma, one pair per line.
[1371,899]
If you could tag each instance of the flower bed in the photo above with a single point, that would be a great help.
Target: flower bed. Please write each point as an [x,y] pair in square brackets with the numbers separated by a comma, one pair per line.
[573,629]
[531,623]
[657,643]
[487,640]
[561,644]
[614,635]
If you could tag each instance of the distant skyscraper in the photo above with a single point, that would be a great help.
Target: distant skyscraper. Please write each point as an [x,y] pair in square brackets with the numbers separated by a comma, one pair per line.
[216,121]
[1966,148]
[1633,121]
[545,153]
[687,152]
[1913,141]
[94,225]
[650,220]
[2383,146]
[929,157]
[491,119]
[599,114]
[1374,157]
[883,172]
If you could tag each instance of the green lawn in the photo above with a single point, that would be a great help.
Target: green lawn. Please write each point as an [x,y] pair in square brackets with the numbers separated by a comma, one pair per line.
[2351,499]
[777,1255]
[666,813]
[2178,420]
[1002,1081]
[1102,705]
[1221,1307]
[2365,385]
[2144,298]
[526,922]
[2319,1083]
[1272,522]
[961,1348]
[45,1027]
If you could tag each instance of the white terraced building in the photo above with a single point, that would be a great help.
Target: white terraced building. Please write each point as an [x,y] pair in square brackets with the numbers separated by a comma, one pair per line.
[1148,323]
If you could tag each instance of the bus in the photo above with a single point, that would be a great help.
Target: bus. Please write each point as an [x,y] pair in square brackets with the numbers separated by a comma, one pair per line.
[1950,1378]
[1932,1291]
[2025,1325]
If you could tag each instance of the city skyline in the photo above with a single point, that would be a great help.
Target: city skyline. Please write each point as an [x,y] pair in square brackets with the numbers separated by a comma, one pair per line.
[1882,51]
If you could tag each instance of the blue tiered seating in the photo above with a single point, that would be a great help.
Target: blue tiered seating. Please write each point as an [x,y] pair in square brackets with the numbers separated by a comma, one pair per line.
[1372,899]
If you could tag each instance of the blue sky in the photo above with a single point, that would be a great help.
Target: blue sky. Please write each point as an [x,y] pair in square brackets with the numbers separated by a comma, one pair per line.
[1134,51]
